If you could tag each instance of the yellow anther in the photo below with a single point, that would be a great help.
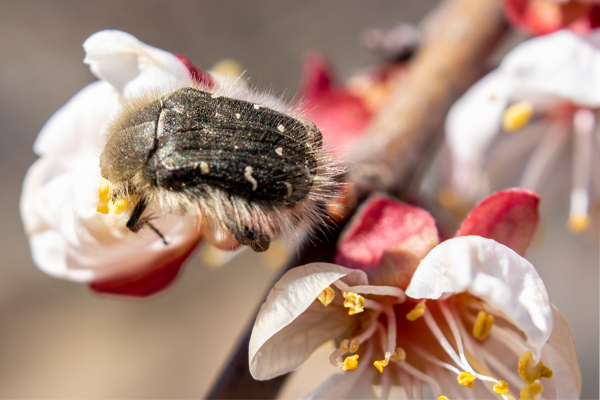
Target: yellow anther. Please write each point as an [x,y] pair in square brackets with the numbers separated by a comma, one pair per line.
[380,364]
[578,223]
[442,398]
[229,67]
[466,379]
[105,204]
[483,325]
[275,257]
[530,371]
[103,188]
[344,345]
[517,116]
[354,302]
[118,206]
[354,343]
[326,296]
[546,372]
[416,312]
[530,391]
[350,363]
[501,387]
[450,200]
[103,196]
[399,355]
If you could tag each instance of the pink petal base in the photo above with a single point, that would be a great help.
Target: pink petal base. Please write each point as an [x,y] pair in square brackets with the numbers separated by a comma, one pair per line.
[197,74]
[509,217]
[146,284]
[539,17]
[387,238]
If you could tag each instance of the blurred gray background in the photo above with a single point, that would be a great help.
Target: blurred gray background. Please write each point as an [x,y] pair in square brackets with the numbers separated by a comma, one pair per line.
[59,340]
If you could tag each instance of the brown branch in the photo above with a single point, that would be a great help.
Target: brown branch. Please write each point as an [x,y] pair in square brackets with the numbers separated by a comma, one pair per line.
[449,61]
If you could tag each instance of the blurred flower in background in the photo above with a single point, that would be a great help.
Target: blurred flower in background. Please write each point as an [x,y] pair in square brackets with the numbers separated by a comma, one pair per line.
[540,105]
[474,321]
[539,17]
[342,111]
[75,230]
[340,115]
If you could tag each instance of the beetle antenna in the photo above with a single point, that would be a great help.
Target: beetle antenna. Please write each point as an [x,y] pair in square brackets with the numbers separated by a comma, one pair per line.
[157,232]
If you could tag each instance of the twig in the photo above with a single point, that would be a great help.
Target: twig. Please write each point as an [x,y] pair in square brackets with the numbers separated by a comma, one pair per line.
[403,132]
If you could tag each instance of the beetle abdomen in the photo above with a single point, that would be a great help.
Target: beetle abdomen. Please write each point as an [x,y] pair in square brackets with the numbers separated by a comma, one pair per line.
[251,151]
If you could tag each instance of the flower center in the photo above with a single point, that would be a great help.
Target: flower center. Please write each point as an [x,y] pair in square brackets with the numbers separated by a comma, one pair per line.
[106,205]
[433,340]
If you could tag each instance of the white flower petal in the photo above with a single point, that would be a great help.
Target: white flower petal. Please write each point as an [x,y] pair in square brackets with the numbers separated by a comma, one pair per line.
[74,133]
[562,64]
[69,239]
[474,120]
[493,272]
[130,65]
[560,355]
[347,385]
[472,124]
[291,325]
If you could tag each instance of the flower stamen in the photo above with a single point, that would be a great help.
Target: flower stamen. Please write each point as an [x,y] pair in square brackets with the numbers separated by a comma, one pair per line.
[350,363]
[578,222]
[106,205]
[544,154]
[391,334]
[416,312]
[517,116]
[531,390]
[380,364]
[399,355]
[584,124]
[326,296]
[442,340]
[339,352]
[354,344]
[530,371]
[501,387]
[483,325]
[346,346]
[459,358]
[354,302]
[466,379]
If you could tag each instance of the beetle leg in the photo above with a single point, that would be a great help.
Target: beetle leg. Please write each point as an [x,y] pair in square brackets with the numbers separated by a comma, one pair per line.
[257,241]
[136,222]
